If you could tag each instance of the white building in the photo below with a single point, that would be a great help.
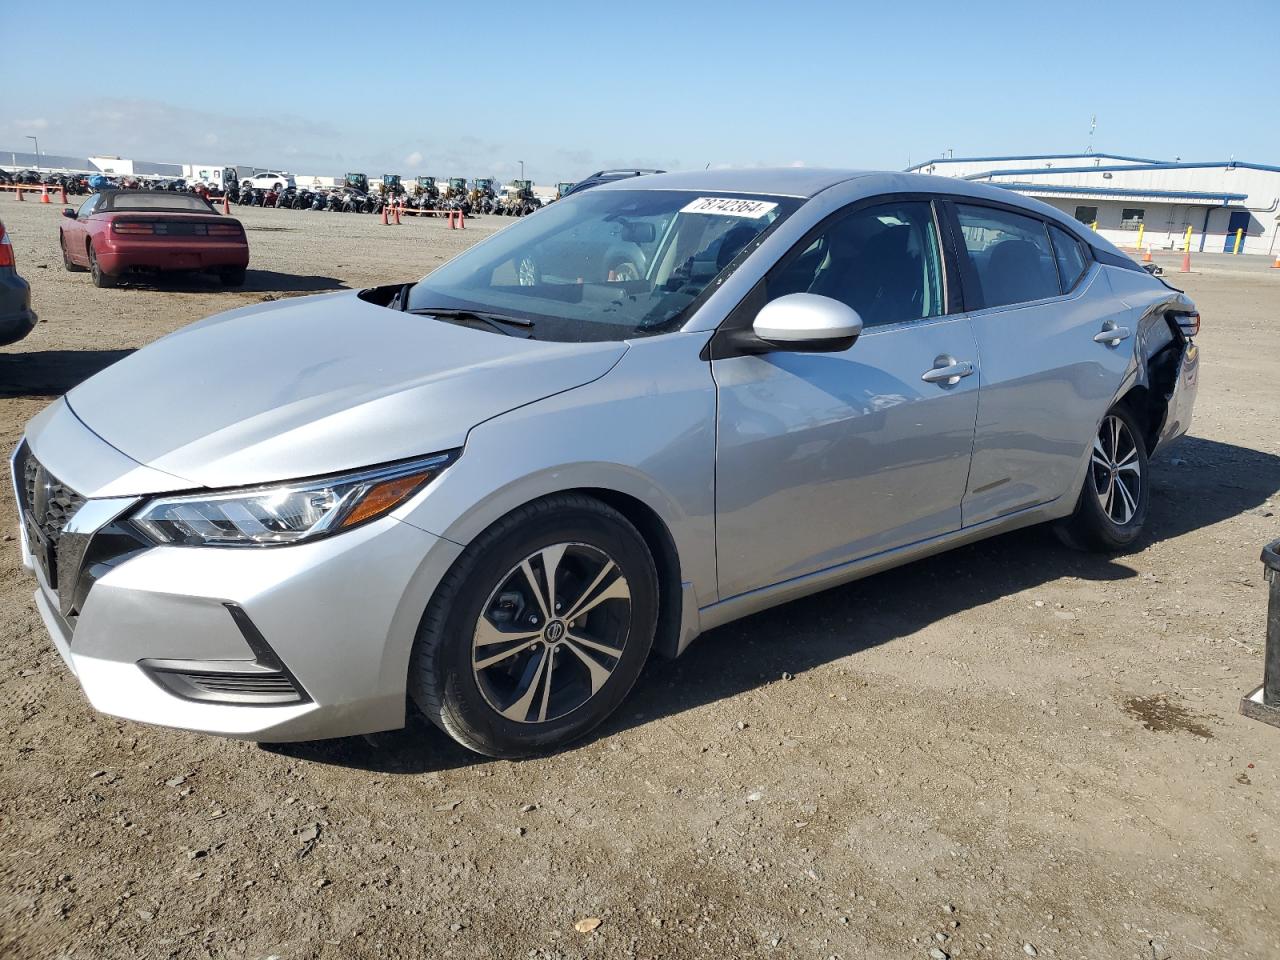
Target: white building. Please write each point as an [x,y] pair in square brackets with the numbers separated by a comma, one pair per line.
[1163,198]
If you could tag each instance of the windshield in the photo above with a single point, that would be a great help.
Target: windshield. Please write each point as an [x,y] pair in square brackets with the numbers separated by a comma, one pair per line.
[604,264]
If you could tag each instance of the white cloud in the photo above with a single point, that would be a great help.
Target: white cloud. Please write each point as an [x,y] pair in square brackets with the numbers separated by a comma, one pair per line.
[413,160]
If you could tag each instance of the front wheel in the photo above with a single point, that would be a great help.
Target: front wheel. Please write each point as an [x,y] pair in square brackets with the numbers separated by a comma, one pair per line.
[540,629]
[1112,507]
[70,265]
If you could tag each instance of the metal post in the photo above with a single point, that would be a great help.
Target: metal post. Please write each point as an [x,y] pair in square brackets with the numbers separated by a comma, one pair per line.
[1239,237]
[37,143]
[1186,246]
[1264,703]
[1142,228]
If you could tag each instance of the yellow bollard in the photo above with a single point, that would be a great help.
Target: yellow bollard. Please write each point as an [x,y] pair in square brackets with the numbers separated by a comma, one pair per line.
[1239,237]
[1142,228]
[1186,246]
[1094,226]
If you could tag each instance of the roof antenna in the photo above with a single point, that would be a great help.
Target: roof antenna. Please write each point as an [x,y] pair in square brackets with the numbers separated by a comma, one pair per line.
[1093,125]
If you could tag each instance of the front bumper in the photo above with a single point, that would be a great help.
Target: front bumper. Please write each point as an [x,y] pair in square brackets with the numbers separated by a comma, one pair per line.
[337,617]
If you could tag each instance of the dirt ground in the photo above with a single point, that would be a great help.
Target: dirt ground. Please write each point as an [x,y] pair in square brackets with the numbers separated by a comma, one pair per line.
[1010,750]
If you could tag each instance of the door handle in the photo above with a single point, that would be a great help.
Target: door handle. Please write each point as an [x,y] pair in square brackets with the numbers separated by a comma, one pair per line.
[948,371]
[1111,335]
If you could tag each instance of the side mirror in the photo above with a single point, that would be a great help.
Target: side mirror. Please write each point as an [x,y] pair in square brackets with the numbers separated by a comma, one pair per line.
[638,232]
[69,212]
[805,323]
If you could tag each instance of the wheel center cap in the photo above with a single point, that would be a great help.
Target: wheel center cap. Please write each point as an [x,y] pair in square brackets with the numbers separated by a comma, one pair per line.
[555,631]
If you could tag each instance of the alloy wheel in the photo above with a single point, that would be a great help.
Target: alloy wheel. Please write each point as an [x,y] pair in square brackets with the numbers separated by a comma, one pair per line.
[1117,473]
[551,633]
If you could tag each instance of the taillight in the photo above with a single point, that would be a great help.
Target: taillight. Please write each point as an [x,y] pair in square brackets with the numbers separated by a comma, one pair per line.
[132,227]
[224,230]
[6,248]
[1188,323]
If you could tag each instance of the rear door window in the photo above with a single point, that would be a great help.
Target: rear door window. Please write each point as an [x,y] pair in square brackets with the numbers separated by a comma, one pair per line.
[1070,256]
[1010,253]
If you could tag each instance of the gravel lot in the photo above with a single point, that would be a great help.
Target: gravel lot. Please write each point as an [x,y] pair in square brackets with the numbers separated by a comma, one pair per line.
[1010,750]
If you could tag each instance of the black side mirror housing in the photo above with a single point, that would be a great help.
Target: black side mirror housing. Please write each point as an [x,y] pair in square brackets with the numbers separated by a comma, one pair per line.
[69,212]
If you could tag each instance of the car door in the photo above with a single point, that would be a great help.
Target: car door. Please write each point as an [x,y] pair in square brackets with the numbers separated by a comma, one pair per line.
[823,458]
[75,230]
[1039,308]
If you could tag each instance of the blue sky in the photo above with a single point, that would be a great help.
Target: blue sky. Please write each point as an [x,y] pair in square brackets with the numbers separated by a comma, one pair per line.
[571,87]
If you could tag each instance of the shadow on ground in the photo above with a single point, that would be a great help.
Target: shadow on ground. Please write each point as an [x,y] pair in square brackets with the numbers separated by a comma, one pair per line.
[51,373]
[1200,483]
[255,281]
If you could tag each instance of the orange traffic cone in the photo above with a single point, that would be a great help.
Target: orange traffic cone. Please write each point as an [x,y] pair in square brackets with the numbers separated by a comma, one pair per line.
[20,196]
[384,214]
[44,194]
[1186,262]
[226,203]
[1146,254]
[397,213]
[1276,265]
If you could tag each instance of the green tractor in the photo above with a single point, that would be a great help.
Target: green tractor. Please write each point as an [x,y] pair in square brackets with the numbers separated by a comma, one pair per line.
[391,187]
[357,181]
[455,195]
[562,190]
[519,200]
[483,195]
[425,193]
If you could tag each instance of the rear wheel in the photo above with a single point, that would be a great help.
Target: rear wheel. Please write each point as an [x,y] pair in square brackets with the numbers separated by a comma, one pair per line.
[1112,507]
[540,629]
[100,277]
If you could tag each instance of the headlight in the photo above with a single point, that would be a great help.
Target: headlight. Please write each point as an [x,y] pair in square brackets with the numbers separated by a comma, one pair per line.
[287,512]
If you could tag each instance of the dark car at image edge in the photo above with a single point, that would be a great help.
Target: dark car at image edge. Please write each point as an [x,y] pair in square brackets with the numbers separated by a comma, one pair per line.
[16,316]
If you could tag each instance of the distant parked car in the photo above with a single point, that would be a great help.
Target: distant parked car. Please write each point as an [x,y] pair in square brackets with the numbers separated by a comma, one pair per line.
[116,231]
[270,181]
[605,176]
[16,316]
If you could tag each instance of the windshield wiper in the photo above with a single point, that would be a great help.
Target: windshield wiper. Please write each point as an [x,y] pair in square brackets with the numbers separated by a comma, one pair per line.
[496,321]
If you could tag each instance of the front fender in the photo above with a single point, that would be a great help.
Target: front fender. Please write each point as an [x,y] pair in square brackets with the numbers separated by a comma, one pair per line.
[622,433]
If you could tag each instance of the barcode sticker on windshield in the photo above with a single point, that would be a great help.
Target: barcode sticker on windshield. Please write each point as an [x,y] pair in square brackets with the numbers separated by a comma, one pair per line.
[729,207]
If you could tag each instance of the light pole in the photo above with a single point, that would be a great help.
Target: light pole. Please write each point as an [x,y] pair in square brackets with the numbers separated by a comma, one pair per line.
[37,143]
[521,169]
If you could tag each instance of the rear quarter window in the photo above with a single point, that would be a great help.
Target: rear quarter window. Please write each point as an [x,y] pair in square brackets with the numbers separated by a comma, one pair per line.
[1071,258]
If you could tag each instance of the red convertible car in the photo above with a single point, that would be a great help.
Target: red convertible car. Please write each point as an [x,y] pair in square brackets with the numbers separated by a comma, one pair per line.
[118,231]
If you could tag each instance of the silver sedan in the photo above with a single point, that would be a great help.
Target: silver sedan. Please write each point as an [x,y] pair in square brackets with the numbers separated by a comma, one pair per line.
[648,410]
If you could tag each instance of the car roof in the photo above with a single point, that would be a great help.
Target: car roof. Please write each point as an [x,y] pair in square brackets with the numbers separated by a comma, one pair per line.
[778,181]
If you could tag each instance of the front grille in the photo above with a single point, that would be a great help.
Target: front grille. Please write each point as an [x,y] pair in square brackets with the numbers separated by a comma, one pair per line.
[47,501]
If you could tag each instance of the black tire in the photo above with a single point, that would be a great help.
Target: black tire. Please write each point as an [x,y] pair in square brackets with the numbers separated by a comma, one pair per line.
[1111,524]
[442,679]
[233,277]
[100,277]
[71,265]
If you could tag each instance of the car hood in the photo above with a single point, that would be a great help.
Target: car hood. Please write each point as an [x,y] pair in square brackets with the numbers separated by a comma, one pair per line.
[316,385]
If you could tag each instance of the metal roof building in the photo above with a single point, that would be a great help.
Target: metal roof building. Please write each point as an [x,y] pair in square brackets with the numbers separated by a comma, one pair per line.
[1124,197]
